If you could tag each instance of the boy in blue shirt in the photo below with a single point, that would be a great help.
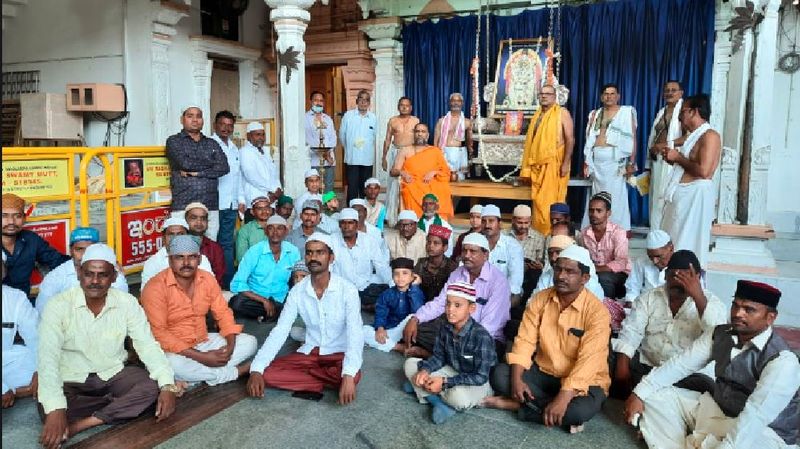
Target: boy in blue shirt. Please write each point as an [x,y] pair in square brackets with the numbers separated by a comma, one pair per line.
[394,307]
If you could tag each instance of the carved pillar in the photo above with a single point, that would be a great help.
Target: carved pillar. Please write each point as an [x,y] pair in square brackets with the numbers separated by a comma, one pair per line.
[248,85]
[201,80]
[728,177]
[291,19]
[166,16]
[387,51]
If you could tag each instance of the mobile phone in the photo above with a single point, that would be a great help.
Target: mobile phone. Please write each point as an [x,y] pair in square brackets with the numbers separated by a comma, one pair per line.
[308,395]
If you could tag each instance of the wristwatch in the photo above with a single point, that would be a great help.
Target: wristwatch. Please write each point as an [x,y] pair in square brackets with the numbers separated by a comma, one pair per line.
[172,388]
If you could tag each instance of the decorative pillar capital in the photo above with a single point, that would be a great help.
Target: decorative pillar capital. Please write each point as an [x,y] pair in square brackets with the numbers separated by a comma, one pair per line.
[165,16]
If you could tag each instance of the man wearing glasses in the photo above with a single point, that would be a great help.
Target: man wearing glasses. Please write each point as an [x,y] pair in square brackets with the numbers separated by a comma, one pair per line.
[548,156]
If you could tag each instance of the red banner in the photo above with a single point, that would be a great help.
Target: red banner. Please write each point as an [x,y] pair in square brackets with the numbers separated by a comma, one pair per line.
[141,234]
[54,232]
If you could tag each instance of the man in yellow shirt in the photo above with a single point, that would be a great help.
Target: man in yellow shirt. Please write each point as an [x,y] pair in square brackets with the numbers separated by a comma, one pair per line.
[568,328]
[83,381]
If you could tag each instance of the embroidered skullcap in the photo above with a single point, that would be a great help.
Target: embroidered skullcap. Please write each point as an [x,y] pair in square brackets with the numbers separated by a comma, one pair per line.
[328,196]
[183,244]
[657,239]
[255,126]
[277,220]
[476,209]
[605,196]
[11,201]
[578,254]
[490,210]
[320,237]
[311,204]
[310,173]
[402,262]
[681,260]
[259,199]
[561,241]
[440,231]
[285,199]
[348,213]
[462,290]
[758,292]
[559,208]
[372,181]
[195,205]
[358,202]
[186,107]
[175,221]
[430,196]
[407,215]
[84,235]
[99,251]
[300,266]
[477,239]
[522,210]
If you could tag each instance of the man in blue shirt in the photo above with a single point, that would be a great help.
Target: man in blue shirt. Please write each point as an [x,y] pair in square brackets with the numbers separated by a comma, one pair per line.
[357,134]
[23,248]
[262,280]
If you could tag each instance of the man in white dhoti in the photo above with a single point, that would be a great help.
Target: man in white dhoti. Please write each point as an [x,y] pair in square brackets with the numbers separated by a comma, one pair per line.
[610,153]
[453,134]
[755,400]
[399,134]
[19,360]
[647,272]
[689,195]
[664,133]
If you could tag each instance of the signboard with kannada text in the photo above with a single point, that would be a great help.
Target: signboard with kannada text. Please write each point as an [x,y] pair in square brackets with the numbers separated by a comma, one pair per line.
[139,172]
[32,179]
[141,234]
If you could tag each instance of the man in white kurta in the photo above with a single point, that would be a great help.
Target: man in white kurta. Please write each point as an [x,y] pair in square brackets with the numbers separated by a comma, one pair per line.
[259,172]
[665,131]
[647,272]
[19,360]
[610,153]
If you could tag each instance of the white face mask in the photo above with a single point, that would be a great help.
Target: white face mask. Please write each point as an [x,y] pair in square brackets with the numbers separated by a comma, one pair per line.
[316,109]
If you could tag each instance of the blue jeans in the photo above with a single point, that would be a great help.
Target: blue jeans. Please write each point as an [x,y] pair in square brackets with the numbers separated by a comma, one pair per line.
[227,239]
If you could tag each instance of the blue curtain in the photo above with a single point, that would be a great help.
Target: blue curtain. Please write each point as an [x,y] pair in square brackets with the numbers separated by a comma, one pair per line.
[637,44]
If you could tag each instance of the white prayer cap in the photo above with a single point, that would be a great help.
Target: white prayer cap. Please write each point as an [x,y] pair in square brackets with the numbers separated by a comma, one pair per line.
[476,209]
[276,220]
[195,205]
[188,106]
[255,126]
[522,210]
[372,181]
[311,173]
[477,239]
[657,239]
[175,221]
[407,215]
[320,237]
[578,254]
[561,241]
[358,202]
[99,251]
[490,210]
[348,213]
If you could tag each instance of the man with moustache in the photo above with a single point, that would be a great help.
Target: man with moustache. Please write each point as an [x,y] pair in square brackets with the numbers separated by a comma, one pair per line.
[259,172]
[647,272]
[453,134]
[399,134]
[230,203]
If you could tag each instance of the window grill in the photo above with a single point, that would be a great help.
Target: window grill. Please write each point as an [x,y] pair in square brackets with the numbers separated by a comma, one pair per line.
[16,83]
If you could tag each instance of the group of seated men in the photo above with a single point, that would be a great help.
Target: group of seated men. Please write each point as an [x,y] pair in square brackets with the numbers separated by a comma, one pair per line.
[509,319]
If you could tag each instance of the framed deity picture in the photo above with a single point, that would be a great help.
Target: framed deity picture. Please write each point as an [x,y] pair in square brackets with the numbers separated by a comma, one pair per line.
[521,68]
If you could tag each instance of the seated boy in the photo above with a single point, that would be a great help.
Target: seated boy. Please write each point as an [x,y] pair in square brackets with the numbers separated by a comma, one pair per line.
[394,307]
[456,376]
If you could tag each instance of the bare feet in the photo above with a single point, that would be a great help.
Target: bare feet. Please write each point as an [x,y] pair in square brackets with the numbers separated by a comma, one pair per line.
[417,351]
[243,369]
[82,424]
[400,347]
[576,429]
[183,385]
[500,402]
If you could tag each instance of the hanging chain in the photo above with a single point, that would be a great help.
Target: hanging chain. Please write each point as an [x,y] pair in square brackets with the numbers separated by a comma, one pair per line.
[487,46]
[558,42]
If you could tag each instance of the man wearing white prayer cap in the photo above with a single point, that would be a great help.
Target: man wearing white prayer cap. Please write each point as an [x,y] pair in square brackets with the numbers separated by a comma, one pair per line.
[159,261]
[475,225]
[259,172]
[376,210]
[647,272]
[409,241]
[361,206]
[505,252]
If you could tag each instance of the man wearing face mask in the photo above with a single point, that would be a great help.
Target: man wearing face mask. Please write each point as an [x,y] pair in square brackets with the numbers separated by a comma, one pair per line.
[319,123]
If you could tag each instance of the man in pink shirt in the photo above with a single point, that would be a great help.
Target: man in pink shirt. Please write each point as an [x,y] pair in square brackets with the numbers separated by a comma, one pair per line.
[608,245]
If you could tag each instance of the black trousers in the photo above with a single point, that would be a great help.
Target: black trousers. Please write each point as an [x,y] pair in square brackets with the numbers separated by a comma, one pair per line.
[244,307]
[613,283]
[356,176]
[545,388]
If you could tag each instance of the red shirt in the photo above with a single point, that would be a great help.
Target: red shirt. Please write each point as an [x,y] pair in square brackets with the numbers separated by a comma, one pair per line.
[215,255]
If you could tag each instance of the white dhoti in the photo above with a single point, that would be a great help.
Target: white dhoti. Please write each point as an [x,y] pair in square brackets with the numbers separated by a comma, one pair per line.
[393,336]
[460,397]
[688,217]
[660,173]
[19,364]
[190,370]
[607,177]
[458,160]
[392,190]
[675,418]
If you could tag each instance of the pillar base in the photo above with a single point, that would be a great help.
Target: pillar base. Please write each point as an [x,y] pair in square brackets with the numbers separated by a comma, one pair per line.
[742,249]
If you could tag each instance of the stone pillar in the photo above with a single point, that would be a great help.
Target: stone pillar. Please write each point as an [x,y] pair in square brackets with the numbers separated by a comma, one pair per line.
[166,16]
[248,85]
[388,54]
[291,19]
[727,122]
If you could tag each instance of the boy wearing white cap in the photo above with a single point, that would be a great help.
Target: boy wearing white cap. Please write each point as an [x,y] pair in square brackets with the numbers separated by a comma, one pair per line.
[160,261]
[647,273]
[19,360]
[313,183]
[376,211]
[259,171]
[409,241]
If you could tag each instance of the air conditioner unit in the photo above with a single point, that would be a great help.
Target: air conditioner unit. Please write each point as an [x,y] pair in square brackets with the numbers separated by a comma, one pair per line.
[95,97]
[45,116]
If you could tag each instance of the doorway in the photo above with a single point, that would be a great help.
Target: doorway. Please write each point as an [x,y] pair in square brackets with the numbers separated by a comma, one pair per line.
[224,87]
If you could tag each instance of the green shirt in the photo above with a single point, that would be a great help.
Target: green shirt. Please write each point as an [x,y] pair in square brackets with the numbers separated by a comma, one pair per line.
[249,234]
[74,343]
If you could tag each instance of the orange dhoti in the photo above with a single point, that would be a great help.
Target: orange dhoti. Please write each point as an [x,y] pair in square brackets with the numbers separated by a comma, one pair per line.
[428,160]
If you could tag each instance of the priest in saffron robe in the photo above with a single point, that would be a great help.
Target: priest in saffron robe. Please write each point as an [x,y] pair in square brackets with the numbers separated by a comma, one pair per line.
[548,156]
[423,169]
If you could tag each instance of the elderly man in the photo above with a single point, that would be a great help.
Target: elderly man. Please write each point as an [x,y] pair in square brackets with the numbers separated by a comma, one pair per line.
[376,211]
[755,400]
[475,225]
[492,311]
[252,232]
[176,303]
[230,185]
[319,129]
[430,216]
[23,249]
[647,272]
[548,156]
[610,153]
[259,172]
[434,270]
[197,162]
[357,134]
[334,340]
[309,223]
[505,252]
[453,134]
[690,195]
[197,219]
[423,169]
[65,276]
[666,130]
[607,242]
[83,379]
[159,261]
[557,371]
[664,322]
[19,358]
[533,246]
[409,241]
[262,280]
[360,260]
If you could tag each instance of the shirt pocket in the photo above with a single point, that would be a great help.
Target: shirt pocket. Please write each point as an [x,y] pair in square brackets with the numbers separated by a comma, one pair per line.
[468,362]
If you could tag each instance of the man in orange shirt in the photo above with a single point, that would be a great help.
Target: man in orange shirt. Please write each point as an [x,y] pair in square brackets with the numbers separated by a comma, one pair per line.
[568,380]
[177,301]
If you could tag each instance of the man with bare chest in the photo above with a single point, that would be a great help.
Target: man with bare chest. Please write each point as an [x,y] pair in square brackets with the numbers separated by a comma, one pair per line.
[399,134]
[689,194]
[453,134]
